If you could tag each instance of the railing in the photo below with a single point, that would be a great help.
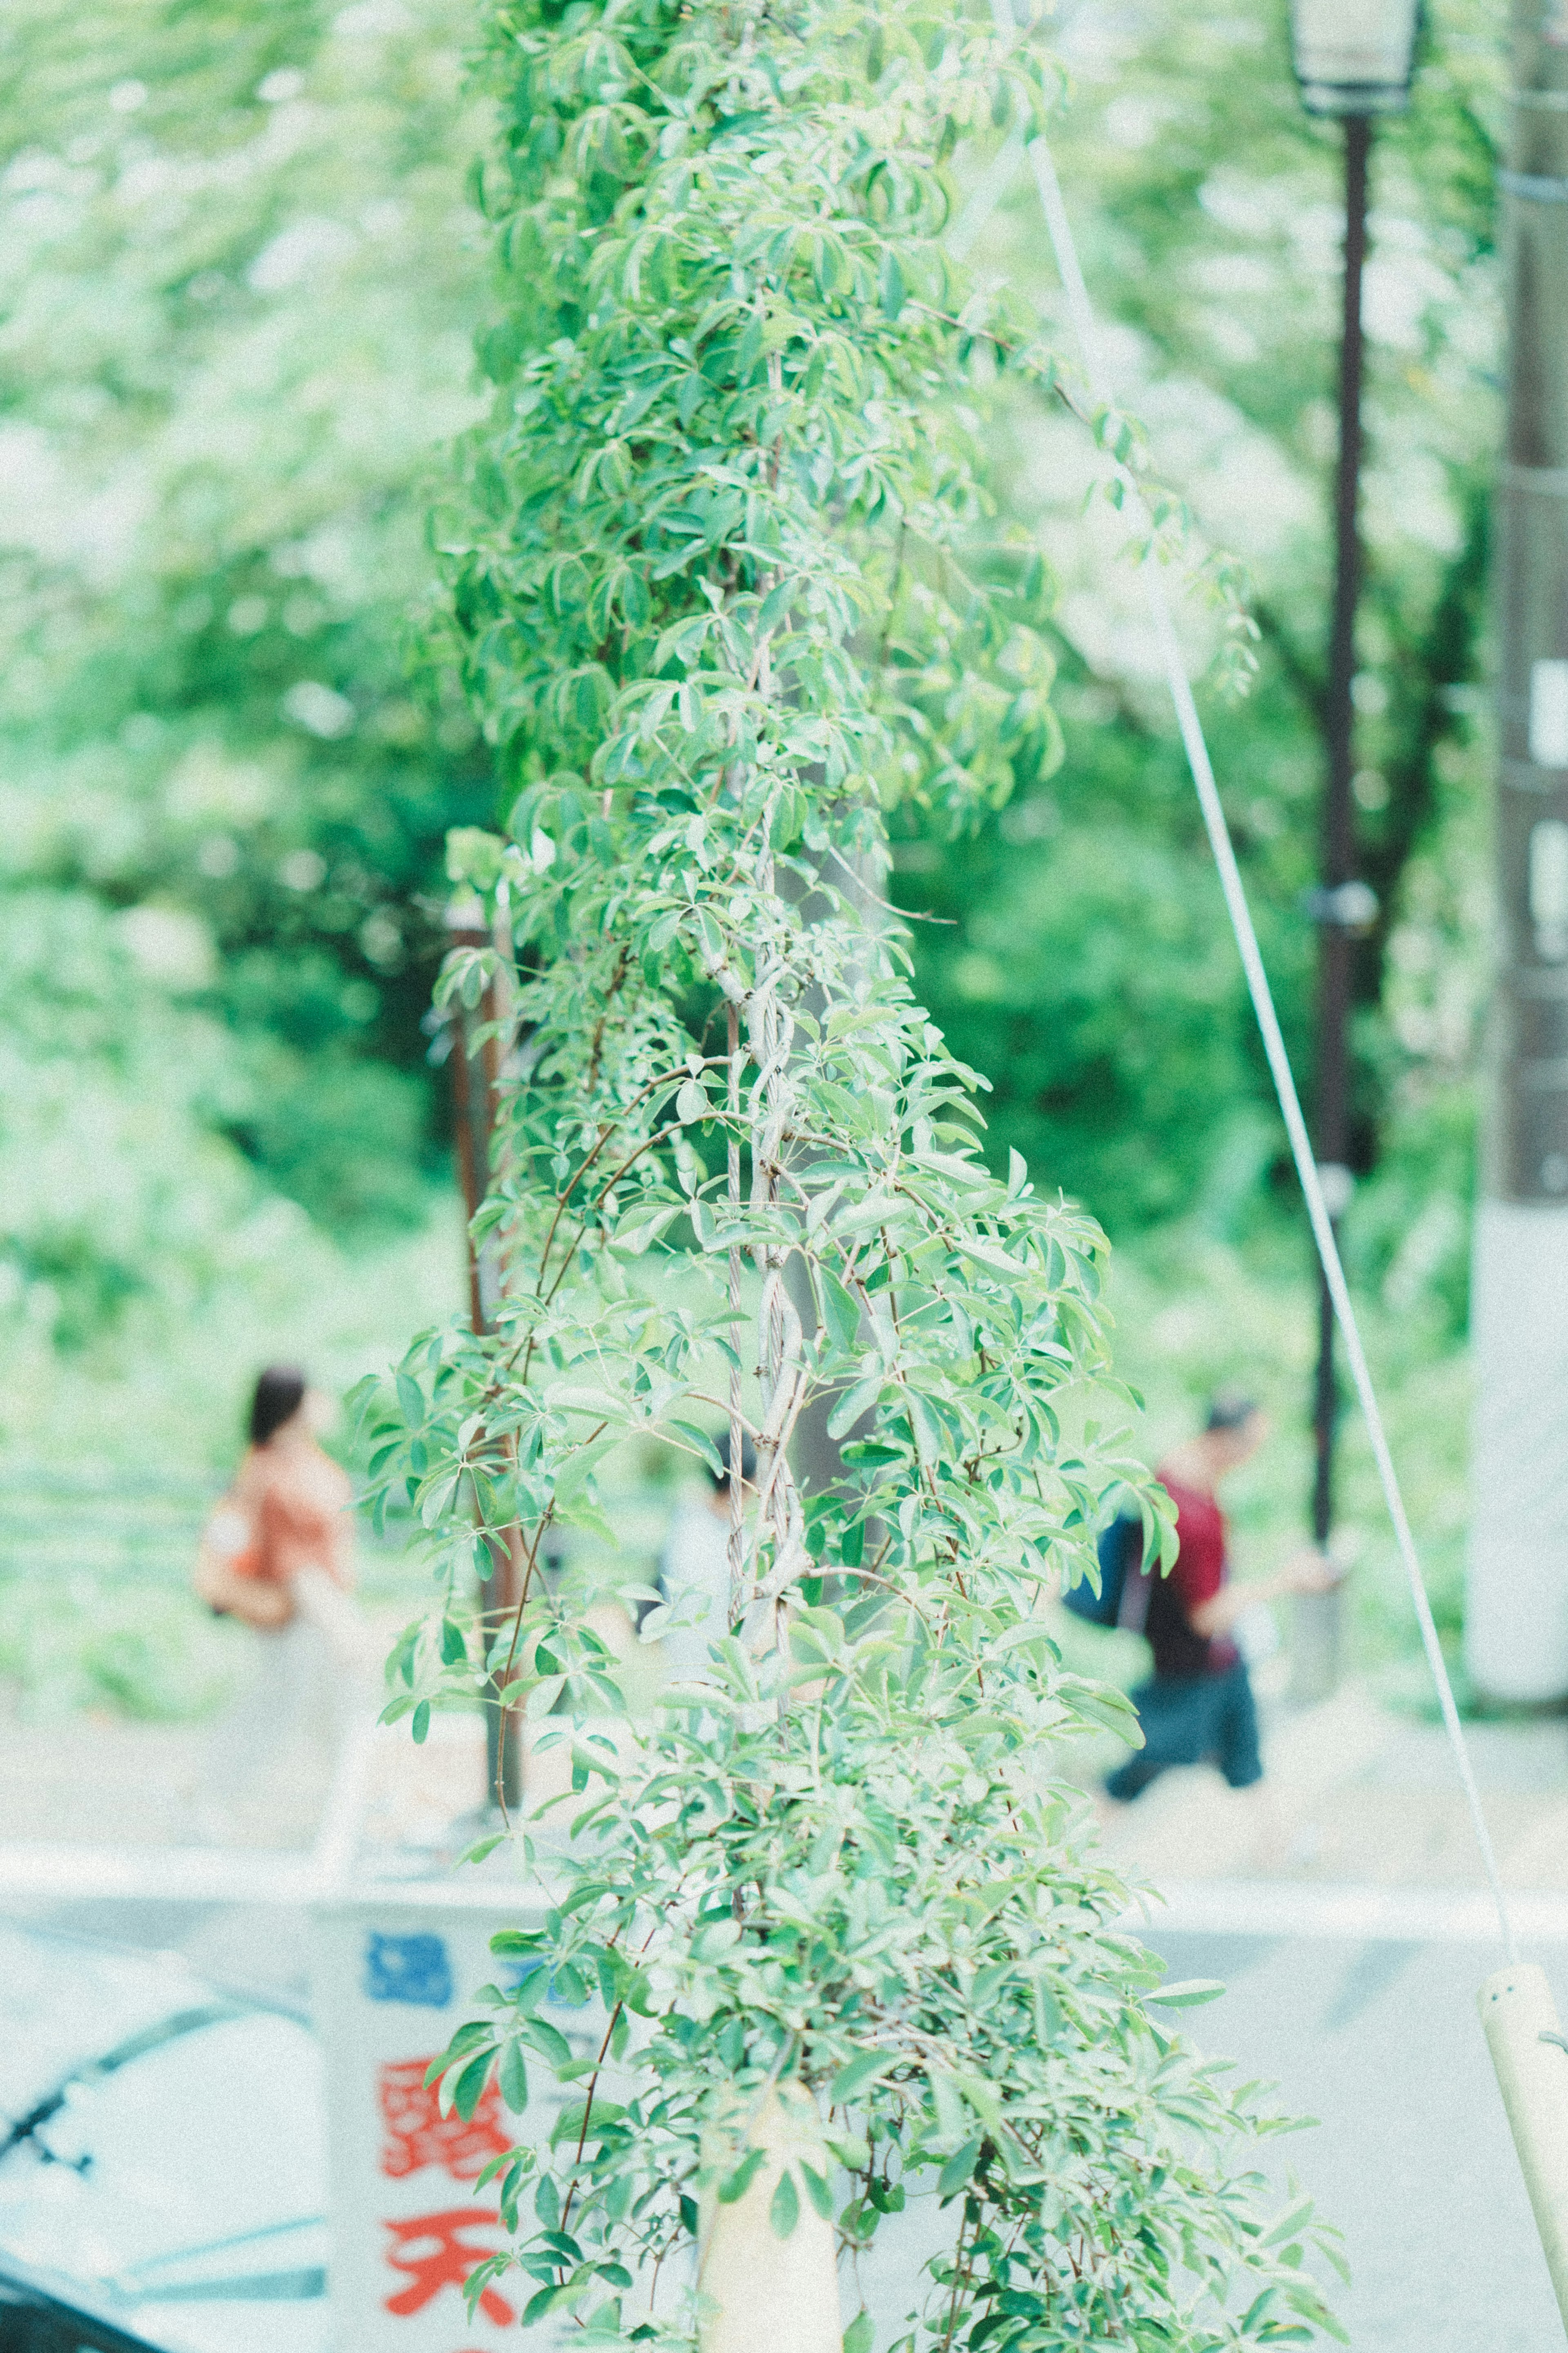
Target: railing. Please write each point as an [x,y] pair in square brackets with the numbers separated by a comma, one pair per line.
[56,1525]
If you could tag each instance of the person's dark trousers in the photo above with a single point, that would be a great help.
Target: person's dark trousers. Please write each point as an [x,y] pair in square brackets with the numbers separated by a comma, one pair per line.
[1184,1723]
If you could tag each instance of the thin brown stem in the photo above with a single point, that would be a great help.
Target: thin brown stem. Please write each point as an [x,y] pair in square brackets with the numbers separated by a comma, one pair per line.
[735,1547]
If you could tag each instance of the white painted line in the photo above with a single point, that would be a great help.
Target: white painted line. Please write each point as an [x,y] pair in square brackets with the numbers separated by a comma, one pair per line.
[477,1891]
[1226,1908]
[191,1875]
[172,1874]
[1321,1909]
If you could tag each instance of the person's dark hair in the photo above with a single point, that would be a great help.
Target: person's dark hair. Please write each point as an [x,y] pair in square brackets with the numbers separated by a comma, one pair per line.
[279,1394]
[748,1464]
[1230,1410]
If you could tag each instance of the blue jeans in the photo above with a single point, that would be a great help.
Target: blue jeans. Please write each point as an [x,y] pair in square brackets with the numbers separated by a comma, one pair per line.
[1184,1723]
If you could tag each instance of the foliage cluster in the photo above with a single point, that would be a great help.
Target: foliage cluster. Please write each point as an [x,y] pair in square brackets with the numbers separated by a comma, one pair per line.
[1099,990]
[709,595]
[239,286]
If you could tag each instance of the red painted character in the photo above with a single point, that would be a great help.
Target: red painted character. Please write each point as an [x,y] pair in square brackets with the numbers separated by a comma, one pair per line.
[417,2133]
[430,2248]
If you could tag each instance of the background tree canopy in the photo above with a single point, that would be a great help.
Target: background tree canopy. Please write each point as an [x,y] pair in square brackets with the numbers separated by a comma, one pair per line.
[243,273]
[239,293]
[241,282]
[1089,969]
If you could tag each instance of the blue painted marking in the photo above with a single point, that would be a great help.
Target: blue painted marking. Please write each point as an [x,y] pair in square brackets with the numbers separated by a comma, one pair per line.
[414,1970]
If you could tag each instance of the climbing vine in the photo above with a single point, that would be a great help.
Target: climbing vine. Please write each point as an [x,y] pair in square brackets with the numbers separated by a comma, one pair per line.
[713,590]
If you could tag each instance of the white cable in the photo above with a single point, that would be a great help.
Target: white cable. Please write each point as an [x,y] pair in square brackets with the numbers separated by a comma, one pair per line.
[989,190]
[1218,831]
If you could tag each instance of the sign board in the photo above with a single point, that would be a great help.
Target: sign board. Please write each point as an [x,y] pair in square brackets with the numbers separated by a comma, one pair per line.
[394,1975]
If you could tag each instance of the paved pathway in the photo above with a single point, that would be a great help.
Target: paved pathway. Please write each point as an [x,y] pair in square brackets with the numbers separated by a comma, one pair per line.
[1355,1792]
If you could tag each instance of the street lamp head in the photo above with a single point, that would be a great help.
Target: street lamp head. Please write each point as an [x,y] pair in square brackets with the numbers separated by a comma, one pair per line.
[1353,57]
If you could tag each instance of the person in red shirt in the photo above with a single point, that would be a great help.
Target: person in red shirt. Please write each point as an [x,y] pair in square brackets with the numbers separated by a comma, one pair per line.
[1198,1703]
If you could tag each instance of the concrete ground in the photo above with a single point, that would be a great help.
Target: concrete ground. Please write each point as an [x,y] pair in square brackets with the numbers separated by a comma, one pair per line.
[1355,1792]
[1341,1904]
[1378,2039]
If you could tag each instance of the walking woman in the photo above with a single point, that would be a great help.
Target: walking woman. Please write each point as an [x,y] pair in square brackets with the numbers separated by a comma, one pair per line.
[278,1553]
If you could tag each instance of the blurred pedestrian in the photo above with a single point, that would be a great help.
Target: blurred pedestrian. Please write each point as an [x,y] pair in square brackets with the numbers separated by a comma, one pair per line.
[278,1554]
[694,1567]
[1198,1703]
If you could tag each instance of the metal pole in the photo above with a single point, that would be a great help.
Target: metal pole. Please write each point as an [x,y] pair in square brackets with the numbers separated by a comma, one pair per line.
[470,1155]
[1318,1616]
[1516,1623]
[474,1118]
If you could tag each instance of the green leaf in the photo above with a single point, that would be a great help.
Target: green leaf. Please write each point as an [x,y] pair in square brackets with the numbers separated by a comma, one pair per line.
[1187,1991]
[1048,2018]
[958,2169]
[1294,2219]
[511,2076]
[701,1441]
[482,1847]
[859,2336]
[859,2074]
[777,603]
[739,2181]
[469,2086]
[549,2041]
[600,2119]
[926,1429]
[988,1983]
[638,1231]
[716,1938]
[419,1722]
[783,2206]
[467,2038]
[950,2111]
[819,2190]
[853,1403]
[841,1312]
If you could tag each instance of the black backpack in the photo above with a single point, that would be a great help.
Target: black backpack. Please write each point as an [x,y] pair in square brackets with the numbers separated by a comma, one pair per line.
[1123,1596]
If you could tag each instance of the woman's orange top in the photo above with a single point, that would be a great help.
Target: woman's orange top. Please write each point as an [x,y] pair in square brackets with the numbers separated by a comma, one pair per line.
[298,1503]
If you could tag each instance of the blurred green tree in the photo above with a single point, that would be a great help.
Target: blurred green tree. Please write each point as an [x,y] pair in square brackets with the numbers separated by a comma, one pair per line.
[239,288]
[1083,959]
[238,292]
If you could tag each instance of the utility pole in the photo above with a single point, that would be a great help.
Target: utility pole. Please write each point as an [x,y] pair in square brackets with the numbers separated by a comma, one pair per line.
[1317,1642]
[1516,1630]
[1352,64]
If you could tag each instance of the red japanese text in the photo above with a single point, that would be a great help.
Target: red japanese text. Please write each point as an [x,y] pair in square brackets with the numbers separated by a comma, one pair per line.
[417,2133]
[434,2252]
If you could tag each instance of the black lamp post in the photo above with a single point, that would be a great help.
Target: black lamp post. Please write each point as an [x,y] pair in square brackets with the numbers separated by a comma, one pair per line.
[1352,60]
